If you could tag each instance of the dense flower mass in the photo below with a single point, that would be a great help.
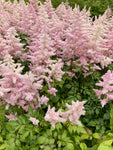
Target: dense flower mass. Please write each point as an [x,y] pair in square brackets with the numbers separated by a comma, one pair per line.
[50,39]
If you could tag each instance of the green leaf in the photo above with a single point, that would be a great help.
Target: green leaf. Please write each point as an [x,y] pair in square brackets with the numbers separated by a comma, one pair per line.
[83,146]
[77,138]
[84,136]
[68,86]
[95,147]
[30,109]
[3,146]
[24,135]
[42,140]
[18,143]
[22,128]
[97,136]
[64,135]
[59,143]
[81,129]
[106,145]
[47,148]
[12,146]
[37,130]
[1,139]
[92,123]
[51,141]
[72,128]
[69,146]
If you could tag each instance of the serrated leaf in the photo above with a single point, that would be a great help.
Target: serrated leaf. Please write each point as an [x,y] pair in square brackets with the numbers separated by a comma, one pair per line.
[69,146]
[77,138]
[92,123]
[51,141]
[24,135]
[80,129]
[42,140]
[37,130]
[21,130]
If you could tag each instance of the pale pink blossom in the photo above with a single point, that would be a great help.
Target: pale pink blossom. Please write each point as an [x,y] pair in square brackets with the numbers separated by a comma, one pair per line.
[52,91]
[34,120]
[107,87]
[75,111]
[54,117]
[11,117]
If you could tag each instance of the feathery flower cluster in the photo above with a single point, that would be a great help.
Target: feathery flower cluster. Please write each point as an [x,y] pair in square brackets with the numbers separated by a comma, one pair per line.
[11,117]
[107,88]
[34,120]
[74,112]
[19,89]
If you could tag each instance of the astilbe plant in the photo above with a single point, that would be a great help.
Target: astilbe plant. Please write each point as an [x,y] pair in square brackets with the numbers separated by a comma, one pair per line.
[68,34]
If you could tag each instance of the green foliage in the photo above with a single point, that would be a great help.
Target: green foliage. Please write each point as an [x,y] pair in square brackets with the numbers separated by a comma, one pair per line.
[93,4]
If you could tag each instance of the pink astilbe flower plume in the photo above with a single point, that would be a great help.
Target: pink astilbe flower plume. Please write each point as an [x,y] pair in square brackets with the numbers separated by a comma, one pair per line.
[54,117]
[34,120]
[22,90]
[74,112]
[107,87]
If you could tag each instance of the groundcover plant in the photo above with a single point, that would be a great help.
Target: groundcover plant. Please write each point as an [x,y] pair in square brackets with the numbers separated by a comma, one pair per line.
[55,73]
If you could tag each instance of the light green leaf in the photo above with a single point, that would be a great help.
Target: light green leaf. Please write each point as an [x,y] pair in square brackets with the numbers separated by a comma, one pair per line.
[22,128]
[84,136]
[106,145]
[83,146]
[97,136]
[51,141]
[58,126]
[47,148]
[24,135]
[59,143]
[1,139]
[69,146]
[3,146]
[12,146]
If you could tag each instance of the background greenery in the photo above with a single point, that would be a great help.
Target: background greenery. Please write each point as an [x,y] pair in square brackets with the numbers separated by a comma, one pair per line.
[97,6]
